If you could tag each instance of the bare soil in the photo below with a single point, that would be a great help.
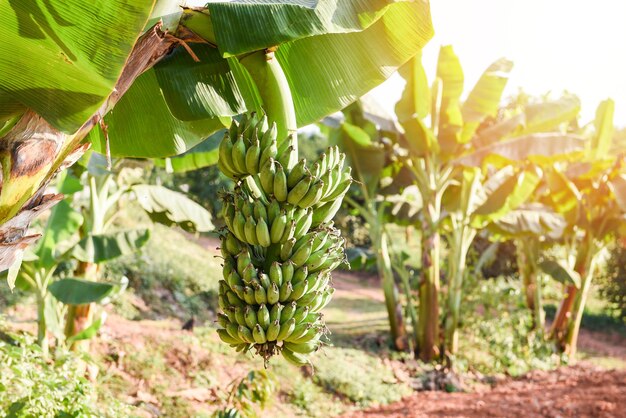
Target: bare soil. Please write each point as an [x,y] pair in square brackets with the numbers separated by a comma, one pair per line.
[578,391]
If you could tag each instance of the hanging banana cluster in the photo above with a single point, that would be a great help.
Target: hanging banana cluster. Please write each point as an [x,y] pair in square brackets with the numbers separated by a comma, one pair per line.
[280,245]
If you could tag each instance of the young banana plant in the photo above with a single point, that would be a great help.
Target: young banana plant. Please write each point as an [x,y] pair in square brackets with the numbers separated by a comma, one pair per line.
[453,139]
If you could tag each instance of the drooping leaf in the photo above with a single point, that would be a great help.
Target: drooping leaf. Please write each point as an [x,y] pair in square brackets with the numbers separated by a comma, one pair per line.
[141,125]
[618,186]
[202,155]
[64,222]
[499,131]
[531,219]
[601,142]
[560,273]
[169,207]
[547,116]
[521,148]
[97,248]
[247,25]
[366,157]
[14,269]
[74,291]
[513,193]
[327,65]
[563,195]
[65,55]
[450,73]
[484,98]
[415,100]
[199,90]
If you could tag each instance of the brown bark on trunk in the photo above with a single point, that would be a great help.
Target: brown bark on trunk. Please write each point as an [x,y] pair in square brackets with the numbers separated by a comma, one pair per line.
[558,330]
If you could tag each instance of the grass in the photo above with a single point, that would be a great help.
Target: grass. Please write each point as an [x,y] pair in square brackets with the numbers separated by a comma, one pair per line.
[172,275]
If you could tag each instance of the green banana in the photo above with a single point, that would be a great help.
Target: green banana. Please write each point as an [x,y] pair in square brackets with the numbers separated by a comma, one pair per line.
[240,317]
[298,290]
[239,156]
[302,348]
[299,275]
[273,294]
[268,153]
[278,227]
[302,227]
[287,270]
[295,358]
[299,191]
[250,231]
[275,312]
[260,294]
[263,316]
[313,195]
[288,311]
[259,334]
[248,295]
[297,173]
[239,224]
[285,251]
[250,316]
[280,184]
[252,158]
[267,177]
[273,330]
[276,274]
[263,233]
[227,338]
[285,291]
[301,313]
[299,331]
[300,256]
[245,334]
[286,329]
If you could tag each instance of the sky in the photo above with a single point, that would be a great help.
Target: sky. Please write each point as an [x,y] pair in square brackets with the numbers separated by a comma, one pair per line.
[556,45]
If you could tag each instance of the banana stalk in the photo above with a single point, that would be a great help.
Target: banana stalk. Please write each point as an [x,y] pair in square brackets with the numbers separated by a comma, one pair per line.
[275,93]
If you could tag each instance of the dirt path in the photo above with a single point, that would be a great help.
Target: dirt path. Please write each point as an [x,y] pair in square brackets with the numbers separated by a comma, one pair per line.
[578,391]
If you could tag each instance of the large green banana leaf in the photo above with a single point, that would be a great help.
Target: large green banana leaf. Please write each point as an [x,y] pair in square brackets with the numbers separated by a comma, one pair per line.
[62,58]
[331,52]
[328,65]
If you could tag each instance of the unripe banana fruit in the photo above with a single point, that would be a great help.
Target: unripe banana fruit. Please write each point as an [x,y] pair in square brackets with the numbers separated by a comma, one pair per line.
[279,247]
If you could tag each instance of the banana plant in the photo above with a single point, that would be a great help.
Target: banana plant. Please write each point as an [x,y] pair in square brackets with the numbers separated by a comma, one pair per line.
[99,207]
[154,80]
[472,202]
[61,243]
[362,141]
[453,139]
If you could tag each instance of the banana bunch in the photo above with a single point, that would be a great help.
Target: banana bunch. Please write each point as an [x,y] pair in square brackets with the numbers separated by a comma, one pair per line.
[280,245]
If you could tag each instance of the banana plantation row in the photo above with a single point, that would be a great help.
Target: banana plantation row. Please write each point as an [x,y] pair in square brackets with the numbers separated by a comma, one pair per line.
[451,169]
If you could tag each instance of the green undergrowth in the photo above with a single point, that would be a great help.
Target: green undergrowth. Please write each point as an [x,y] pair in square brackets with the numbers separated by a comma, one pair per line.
[171,274]
[32,385]
[496,331]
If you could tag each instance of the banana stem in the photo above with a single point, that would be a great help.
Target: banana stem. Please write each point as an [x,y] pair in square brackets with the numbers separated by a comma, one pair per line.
[275,93]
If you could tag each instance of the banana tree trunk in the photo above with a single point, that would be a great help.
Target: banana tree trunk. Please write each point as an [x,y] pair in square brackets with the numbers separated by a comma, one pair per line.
[527,257]
[571,339]
[559,331]
[390,290]
[33,151]
[460,243]
[429,295]
[79,317]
